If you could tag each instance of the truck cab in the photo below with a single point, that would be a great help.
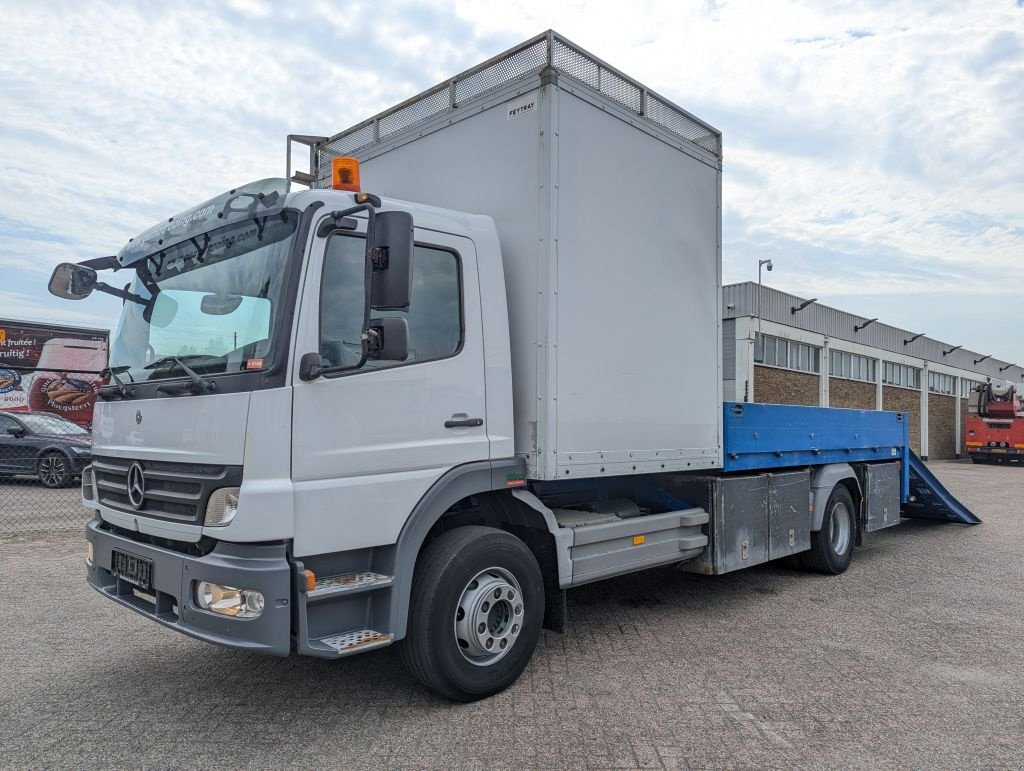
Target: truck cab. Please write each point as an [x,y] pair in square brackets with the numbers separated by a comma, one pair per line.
[259,366]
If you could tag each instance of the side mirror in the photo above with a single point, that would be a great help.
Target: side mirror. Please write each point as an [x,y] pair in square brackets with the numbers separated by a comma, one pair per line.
[392,281]
[72,282]
[389,339]
[16,431]
[309,366]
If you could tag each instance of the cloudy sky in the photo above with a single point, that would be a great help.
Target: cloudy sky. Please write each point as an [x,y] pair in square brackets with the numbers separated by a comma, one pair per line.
[873,150]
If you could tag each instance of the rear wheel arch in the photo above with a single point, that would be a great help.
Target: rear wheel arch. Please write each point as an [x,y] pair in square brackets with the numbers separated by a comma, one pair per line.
[823,481]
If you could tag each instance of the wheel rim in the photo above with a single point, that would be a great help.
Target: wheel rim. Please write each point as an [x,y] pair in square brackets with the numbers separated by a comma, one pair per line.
[489,616]
[51,469]
[841,528]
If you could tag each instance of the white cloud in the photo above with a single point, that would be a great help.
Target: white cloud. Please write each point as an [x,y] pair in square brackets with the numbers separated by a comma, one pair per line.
[871,148]
[24,307]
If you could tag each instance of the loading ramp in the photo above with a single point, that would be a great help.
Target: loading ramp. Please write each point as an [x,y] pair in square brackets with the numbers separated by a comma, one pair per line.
[928,499]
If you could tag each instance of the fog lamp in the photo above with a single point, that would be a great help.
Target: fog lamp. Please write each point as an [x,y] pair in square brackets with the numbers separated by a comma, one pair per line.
[229,601]
[88,553]
[222,507]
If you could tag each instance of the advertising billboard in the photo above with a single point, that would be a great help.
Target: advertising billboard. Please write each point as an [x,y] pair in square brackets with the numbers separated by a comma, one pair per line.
[48,368]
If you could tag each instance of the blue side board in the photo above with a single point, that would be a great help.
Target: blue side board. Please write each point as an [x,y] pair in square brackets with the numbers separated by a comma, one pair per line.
[765,436]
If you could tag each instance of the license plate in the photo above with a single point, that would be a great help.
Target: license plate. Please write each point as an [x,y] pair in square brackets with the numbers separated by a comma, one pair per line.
[998,449]
[134,570]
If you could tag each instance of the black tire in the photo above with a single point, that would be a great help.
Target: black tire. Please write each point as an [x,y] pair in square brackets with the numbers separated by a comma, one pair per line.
[53,470]
[832,546]
[443,582]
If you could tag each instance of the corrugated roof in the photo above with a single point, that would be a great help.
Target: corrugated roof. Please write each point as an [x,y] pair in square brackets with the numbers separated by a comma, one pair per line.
[742,300]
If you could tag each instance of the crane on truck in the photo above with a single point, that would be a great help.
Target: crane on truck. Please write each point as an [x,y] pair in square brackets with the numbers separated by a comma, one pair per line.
[476,364]
[995,423]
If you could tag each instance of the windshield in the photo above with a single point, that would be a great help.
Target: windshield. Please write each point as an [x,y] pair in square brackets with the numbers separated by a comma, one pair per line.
[52,425]
[217,301]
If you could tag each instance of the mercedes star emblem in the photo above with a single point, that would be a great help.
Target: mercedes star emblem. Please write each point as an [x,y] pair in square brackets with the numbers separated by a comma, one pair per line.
[136,485]
[138,416]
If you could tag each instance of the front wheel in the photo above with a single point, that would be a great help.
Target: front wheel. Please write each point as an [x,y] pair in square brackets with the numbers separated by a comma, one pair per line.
[832,546]
[476,613]
[53,470]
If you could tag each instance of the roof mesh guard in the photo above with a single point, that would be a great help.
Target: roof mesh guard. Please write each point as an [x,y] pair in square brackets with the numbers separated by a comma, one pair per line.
[529,58]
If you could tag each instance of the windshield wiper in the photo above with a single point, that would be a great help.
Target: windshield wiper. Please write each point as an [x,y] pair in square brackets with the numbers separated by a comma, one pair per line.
[199,383]
[126,391]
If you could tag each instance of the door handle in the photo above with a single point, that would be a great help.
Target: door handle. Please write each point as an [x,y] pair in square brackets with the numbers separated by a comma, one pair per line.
[454,422]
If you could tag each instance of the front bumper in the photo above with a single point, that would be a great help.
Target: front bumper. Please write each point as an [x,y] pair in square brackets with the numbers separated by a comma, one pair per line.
[1009,453]
[170,600]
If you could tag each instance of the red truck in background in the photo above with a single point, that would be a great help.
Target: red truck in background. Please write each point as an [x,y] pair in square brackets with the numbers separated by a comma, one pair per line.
[51,368]
[995,424]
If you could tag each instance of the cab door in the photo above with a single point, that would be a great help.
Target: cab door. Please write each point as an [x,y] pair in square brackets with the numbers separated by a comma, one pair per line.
[368,443]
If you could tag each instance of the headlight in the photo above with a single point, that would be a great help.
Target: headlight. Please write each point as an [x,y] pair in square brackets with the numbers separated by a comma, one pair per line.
[222,507]
[229,601]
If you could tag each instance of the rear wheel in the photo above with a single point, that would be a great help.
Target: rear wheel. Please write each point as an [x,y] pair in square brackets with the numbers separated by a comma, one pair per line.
[476,612]
[832,546]
[53,470]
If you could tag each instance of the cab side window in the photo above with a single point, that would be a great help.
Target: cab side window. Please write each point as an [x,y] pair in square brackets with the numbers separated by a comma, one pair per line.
[434,316]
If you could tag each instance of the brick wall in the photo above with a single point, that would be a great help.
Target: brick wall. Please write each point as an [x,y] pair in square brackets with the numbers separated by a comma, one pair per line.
[851,394]
[905,400]
[781,386]
[941,426]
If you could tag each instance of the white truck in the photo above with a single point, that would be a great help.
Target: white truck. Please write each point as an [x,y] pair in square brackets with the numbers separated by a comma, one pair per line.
[338,419]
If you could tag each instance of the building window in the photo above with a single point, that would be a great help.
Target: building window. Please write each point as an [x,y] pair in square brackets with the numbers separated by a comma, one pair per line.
[852,366]
[967,385]
[902,375]
[941,384]
[777,352]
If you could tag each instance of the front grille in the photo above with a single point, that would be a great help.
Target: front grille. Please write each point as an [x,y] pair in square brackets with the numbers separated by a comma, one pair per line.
[173,491]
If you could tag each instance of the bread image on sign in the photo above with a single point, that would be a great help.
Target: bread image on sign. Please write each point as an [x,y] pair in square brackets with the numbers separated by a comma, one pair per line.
[61,392]
[9,380]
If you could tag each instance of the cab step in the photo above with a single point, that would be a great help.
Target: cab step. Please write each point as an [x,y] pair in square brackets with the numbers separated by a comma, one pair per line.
[356,641]
[347,583]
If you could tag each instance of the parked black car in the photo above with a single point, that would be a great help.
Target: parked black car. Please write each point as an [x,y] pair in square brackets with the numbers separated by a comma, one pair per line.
[51,448]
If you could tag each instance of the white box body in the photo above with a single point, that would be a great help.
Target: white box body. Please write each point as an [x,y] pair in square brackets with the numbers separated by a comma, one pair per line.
[610,236]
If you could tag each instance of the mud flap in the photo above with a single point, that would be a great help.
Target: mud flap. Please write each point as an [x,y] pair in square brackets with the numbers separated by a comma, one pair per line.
[928,499]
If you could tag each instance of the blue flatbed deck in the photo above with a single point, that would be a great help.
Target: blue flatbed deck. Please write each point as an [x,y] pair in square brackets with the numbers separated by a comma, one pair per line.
[760,437]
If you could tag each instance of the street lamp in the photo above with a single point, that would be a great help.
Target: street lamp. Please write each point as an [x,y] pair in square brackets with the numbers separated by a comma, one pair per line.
[760,264]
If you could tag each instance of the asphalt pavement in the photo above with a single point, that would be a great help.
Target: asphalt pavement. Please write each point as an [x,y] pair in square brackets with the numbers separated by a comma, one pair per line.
[914,657]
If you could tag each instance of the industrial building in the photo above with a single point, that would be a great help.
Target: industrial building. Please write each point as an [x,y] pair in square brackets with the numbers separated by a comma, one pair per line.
[784,349]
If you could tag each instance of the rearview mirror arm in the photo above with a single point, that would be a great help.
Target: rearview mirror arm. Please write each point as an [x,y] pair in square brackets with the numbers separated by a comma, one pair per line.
[123,294]
[111,263]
